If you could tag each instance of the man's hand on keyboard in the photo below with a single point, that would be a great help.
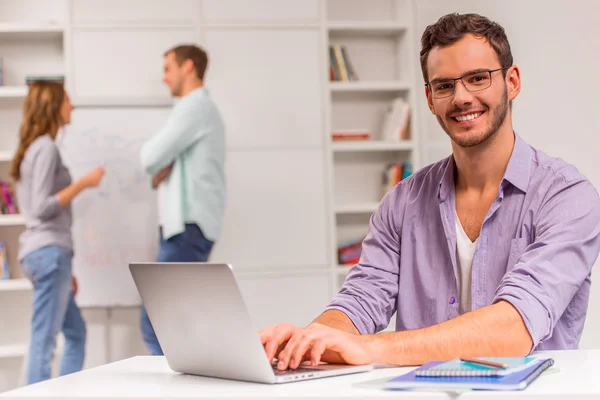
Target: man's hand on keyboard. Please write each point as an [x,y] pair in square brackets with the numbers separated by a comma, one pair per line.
[315,343]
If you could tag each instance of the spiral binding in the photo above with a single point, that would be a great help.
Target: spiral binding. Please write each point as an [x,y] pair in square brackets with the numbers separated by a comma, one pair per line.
[477,373]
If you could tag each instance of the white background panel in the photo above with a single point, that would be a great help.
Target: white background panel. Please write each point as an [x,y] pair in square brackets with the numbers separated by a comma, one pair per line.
[31,11]
[275,215]
[123,63]
[285,112]
[134,11]
[260,9]
[294,298]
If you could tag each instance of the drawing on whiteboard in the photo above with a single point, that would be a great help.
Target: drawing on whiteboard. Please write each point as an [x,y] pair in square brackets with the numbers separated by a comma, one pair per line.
[121,164]
[116,223]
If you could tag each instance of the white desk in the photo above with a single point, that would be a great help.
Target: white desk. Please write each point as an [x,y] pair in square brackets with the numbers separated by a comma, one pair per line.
[578,377]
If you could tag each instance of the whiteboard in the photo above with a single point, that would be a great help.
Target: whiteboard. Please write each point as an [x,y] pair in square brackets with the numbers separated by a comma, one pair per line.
[116,223]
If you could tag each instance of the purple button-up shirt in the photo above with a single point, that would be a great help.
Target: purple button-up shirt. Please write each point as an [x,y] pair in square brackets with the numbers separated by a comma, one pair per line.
[537,245]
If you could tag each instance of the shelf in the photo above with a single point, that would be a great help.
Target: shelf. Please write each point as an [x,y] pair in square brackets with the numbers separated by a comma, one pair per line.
[31,28]
[122,102]
[357,208]
[343,269]
[374,86]
[374,145]
[264,24]
[13,351]
[11,220]
[15,285]
[6,155]
[13,91]
[377,28]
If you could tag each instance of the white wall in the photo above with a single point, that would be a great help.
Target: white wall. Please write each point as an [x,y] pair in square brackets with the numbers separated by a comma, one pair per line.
[555,44]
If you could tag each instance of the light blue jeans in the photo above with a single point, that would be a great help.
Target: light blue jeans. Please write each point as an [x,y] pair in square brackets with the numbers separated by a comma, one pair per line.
[54,309]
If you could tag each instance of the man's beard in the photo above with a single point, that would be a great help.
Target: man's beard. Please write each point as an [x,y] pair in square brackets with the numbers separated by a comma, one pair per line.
[498,115]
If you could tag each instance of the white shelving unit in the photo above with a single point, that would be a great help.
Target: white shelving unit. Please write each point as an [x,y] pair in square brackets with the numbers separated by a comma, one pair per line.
[13,92]
[32,37]
[372,86]
[357,208]
[15,285]
[377,36]
[373,145]
[13,351]
[6,156]
[12,220]
[30,27]
[362,28]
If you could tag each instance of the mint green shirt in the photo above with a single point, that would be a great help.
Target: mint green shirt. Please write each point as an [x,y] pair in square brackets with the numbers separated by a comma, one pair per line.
[193,137]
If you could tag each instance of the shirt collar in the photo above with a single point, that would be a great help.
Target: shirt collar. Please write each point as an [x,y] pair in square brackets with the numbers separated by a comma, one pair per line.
[519,166]
[517,171]
[447,182]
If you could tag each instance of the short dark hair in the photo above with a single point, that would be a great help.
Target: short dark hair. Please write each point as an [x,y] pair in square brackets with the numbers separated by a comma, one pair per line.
[191,52]
[450,28]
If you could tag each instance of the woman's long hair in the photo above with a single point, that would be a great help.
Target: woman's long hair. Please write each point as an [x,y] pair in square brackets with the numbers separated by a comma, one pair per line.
[41,116]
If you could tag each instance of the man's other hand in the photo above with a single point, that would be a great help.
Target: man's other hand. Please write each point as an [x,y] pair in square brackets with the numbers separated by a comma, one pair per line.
[161,175]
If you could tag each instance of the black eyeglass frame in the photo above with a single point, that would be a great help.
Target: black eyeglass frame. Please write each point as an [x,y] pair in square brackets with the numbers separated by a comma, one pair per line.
[489,71]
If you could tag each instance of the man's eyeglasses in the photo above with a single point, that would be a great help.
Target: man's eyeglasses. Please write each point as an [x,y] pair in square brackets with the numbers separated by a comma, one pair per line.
[473,82]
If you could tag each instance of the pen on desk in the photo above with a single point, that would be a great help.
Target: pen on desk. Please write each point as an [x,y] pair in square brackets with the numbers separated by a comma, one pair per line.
[487,363]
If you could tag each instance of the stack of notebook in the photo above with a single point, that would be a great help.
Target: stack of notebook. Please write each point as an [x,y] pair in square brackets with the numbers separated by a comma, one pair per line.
[480,373]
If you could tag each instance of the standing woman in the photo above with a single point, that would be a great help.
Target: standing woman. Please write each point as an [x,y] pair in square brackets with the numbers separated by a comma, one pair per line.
[45,192]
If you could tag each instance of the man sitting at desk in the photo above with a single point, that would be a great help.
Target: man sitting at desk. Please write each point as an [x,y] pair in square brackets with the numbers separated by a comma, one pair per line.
[485,253]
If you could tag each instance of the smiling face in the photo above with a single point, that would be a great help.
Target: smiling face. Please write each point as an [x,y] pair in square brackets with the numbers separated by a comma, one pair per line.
[474,115]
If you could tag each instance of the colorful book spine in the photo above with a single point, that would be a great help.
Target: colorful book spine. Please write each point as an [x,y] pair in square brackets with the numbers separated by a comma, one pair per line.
[406,169]
[10,205]
[350,254]
[393,174]
[4,274]
[340,66]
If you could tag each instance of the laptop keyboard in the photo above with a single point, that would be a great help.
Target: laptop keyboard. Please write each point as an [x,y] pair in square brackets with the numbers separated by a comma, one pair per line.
[290,371]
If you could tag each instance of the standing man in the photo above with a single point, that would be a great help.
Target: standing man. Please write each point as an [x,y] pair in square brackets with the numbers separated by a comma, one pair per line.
[186,161]
[488,252]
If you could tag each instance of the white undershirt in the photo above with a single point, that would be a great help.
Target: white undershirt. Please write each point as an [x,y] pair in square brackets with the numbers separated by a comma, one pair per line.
[161,201]
[465,250]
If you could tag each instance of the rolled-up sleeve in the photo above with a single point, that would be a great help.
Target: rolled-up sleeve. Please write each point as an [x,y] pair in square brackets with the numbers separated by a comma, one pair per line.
[550,270]
[369,294]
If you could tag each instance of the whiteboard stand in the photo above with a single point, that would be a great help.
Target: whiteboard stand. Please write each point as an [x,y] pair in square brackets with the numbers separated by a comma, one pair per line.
[107,339]
[107,329]
[108,325]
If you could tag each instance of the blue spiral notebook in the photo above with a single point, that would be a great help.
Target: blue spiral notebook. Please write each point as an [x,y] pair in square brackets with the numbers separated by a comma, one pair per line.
[459,367]
[517,380]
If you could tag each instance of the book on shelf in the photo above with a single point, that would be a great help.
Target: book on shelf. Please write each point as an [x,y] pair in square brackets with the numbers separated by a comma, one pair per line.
[349,253]
[57,78]
[351,134]
[340,65]
[396,120]
[4,260]
[393,174]
[7,196]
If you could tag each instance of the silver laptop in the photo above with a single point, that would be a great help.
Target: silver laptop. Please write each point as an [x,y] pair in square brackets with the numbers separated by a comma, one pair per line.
[204,328]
